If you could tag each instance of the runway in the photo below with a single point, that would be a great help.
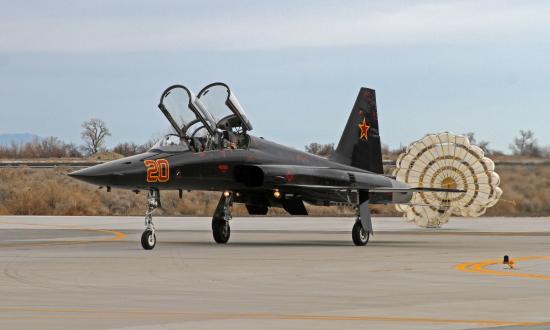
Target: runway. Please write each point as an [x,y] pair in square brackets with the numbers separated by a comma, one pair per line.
[275,273]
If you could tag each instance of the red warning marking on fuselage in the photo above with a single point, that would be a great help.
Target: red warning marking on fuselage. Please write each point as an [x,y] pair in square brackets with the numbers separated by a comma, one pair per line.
[289,177]
[223,168]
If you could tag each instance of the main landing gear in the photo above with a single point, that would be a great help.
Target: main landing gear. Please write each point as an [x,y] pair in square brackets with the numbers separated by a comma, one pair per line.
[359,235]
[362,229]
[220,221]
[148,238]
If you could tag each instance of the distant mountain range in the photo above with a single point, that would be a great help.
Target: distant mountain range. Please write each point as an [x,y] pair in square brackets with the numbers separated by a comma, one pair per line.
[17,138]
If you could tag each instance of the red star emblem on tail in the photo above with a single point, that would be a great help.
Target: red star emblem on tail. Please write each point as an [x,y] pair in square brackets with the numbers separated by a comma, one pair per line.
[364,127]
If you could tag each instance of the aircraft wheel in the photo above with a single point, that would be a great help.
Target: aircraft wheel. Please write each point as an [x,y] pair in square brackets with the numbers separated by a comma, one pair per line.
[359,235]
[220,230]
[148,240]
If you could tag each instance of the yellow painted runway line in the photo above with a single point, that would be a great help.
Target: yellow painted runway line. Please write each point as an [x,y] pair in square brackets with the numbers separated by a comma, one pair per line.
[481,268]
[117,235]
[181,315]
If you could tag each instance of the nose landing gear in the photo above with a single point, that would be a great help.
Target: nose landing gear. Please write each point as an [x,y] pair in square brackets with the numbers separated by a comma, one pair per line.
[148,238]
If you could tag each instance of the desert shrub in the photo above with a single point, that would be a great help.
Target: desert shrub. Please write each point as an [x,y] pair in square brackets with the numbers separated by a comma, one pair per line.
[49,147]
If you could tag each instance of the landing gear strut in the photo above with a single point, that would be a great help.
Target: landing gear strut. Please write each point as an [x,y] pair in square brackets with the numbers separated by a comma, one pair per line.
[148,238]
[220,221]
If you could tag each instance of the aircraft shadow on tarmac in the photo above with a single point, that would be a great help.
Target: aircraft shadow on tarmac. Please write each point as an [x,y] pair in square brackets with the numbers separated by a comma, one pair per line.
[285,243]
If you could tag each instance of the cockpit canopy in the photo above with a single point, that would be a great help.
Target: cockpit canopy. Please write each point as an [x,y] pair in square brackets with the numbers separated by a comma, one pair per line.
[183,110]
[213,119]
[224,107]
[170,143]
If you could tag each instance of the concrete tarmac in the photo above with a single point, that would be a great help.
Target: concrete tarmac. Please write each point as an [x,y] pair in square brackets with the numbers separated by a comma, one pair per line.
[275,273]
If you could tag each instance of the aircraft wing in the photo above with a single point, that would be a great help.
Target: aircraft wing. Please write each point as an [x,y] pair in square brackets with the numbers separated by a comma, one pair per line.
[377,189]
[324,178]
[415,189]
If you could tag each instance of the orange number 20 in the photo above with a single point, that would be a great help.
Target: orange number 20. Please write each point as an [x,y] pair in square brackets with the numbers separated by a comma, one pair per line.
[158,170]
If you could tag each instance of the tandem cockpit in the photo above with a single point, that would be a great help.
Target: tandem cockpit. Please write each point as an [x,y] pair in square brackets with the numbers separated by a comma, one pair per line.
[212,120]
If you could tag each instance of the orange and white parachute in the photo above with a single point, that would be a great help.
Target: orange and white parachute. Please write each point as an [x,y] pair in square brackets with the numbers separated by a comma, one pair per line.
[446,160]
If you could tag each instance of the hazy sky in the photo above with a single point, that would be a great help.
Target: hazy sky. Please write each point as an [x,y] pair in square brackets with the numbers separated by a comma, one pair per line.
[296,66]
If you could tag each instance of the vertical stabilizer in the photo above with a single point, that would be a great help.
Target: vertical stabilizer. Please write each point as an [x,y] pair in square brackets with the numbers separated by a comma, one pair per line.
[360,145]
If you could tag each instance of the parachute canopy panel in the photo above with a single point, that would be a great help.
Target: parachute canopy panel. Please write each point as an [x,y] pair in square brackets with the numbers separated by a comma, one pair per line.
[448,161]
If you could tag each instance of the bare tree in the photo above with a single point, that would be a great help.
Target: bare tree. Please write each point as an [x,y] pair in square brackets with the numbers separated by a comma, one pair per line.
[127,149]
[71,150]
[484,145]
[148,144]
[324,150]
[94,133]
[525,144]
[47,147]
[471,137]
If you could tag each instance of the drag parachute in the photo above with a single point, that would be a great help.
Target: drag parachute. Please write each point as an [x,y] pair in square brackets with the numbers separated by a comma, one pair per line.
[449,161]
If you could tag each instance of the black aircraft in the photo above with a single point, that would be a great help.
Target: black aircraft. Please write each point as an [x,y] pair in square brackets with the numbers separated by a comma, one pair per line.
[211,149]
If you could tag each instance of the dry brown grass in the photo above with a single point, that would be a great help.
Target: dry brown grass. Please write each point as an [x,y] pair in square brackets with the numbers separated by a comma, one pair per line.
[51,192]
[25,191]
[526,191]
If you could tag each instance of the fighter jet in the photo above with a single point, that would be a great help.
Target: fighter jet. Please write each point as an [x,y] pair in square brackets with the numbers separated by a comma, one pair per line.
[210,148]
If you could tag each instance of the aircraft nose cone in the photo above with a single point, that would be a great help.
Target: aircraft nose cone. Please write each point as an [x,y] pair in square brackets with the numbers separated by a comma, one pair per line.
[91,175]
[86,172]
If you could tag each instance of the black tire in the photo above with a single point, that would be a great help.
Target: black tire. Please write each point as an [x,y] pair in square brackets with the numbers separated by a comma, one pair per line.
[148,240]
[220,230]
[359,235]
